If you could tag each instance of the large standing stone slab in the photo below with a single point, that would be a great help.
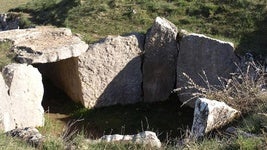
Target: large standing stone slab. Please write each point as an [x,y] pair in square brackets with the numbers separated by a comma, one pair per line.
[200,53]
[160,60]
[209,115]
[26,93]
[44,44]
[6,119]
[110,71]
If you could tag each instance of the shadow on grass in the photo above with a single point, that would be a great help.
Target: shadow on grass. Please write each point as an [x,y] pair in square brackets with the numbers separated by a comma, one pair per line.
[48,11]
[255,42]
[166,118]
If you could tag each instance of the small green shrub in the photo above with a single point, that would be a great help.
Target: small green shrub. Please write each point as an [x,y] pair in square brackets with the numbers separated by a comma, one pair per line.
[24,22]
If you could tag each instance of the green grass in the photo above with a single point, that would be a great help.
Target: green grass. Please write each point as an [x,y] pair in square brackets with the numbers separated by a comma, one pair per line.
[9,4]
[9,143]
[241,21]
[131,119]
[6,56]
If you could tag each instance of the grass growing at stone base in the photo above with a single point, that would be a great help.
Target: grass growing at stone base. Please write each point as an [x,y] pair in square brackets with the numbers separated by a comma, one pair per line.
[241,21]
[6,56]
[9,143]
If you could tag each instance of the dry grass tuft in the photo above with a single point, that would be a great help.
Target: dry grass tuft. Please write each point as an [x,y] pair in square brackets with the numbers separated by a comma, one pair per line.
[242,91]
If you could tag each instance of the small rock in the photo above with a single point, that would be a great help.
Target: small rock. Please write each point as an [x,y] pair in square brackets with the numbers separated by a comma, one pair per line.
[209,115]
[30,135]
[145,138]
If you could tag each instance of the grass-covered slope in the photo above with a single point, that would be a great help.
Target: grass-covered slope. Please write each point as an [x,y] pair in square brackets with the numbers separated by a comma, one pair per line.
[240,21]
[243,22]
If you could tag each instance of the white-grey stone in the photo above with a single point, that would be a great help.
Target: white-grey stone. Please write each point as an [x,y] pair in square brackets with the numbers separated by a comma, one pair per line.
[44,44]
[197,54]
[143,138]
[209,115]
[26,94]
[160,60]
[6,119]
[110,71]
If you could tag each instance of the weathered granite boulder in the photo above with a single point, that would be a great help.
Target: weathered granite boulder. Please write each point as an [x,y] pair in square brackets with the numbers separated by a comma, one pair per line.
[160,60]
[209,115]
[198,54]
[108,73]
[145,138]
[6,119]
[26,93]
[44,44]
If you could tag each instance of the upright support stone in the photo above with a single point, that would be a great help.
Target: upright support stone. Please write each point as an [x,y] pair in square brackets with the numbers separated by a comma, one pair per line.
[160,61]
[202,60]
[26,94]
[7,121]
[110,71]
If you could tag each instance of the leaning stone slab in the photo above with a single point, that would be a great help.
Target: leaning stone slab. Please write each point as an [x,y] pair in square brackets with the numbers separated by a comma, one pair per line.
[44,44]
[26,94]
[108,73]
[160,60]
[209,115]
[6,119]
[202,59]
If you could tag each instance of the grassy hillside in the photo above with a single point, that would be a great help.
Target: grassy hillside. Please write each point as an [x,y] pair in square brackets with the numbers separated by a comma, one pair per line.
[243,22]
[5,5]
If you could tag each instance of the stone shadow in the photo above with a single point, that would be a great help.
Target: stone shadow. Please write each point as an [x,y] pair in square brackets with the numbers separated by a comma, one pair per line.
[167,119]
[55,14]
[255,42]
